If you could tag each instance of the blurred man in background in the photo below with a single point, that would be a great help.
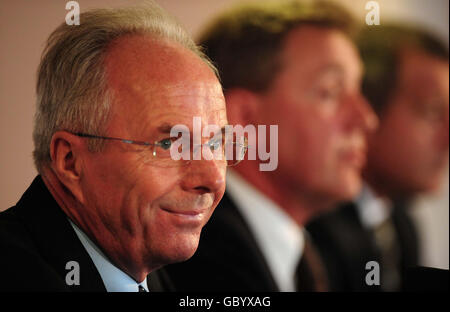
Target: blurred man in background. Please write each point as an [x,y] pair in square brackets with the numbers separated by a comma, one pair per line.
[407,83]
[290,64]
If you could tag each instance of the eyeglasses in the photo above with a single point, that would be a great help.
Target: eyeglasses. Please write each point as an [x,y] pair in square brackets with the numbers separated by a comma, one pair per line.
[220,146]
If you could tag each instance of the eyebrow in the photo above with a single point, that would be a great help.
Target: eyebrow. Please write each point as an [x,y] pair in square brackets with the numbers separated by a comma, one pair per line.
[331,68]
[338,69]
[165,128]
[222,131]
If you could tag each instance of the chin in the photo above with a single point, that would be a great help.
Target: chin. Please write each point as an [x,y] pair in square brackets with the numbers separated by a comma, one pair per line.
[350,187]
[180,248]
[428,188]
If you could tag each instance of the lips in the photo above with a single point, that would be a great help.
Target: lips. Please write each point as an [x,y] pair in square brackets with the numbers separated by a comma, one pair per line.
[194,212]
[354,157]
[185,212]
[190,218]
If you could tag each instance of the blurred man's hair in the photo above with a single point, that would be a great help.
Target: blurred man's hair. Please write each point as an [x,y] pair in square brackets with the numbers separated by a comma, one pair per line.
[72,93]
[381,49]
[245,42]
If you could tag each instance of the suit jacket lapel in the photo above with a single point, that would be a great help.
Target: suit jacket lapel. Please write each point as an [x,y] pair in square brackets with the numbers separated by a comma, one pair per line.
[229,213]
[407,236]
[158,281]
[55,238]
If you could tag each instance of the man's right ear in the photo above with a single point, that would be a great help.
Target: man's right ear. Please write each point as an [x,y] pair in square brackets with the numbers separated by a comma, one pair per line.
[242,106]
[66,161]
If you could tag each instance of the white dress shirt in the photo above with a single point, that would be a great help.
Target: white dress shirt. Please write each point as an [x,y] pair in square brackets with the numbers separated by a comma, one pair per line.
[373,210]
[115,279]
[280,239]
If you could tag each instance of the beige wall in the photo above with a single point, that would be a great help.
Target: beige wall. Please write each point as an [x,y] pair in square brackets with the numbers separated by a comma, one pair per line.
[25,25]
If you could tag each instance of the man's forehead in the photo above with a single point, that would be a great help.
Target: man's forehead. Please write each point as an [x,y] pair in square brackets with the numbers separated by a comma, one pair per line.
[164,108]
[156,83]
[423,71]
[165,121]
[188,97]
[168,120]
[321,50]
[181,89]
[142,62]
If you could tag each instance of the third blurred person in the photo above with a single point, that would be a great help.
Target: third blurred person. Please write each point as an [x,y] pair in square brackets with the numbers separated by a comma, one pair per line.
[407,83]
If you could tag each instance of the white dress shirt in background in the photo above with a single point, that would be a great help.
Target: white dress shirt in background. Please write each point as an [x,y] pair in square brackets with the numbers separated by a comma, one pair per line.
[278,236]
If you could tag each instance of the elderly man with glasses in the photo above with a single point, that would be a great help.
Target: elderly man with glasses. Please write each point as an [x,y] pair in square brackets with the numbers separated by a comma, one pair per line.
[110,205]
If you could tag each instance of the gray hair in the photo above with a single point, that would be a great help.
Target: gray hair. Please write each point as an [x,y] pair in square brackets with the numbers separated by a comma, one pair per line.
[72,92]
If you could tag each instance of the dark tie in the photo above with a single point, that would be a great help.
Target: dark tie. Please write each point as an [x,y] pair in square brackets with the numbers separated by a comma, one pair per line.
[141,288]
[310,274]
[387,241]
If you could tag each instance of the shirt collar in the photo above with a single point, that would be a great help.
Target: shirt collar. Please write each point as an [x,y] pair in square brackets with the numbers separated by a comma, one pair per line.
[372,209]
[279,237]
[115,280]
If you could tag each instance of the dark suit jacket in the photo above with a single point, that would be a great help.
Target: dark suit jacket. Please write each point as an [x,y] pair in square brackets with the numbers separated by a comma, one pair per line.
[36,242]
[228,257]
[346,246]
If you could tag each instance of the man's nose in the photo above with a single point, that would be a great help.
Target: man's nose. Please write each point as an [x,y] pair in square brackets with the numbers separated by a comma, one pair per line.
[362,114]
[205,176]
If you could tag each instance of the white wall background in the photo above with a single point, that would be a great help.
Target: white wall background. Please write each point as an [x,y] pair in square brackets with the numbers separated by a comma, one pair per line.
[25,25]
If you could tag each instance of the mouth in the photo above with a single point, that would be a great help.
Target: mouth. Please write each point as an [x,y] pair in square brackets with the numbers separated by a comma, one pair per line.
[354,157]
[191,216]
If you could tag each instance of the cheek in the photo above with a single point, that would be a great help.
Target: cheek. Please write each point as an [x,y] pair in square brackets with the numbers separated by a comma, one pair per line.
[307,147]
[124,192]
[101,183]
[404,140]
[150,185]
[321,139]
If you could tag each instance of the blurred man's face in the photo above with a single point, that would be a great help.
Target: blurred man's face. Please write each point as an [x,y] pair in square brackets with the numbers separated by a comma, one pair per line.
[410,150]
[323,119]
[154,214]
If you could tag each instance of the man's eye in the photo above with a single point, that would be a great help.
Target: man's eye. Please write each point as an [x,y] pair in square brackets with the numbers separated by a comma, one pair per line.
[329,94]
[166,143]
[215,144]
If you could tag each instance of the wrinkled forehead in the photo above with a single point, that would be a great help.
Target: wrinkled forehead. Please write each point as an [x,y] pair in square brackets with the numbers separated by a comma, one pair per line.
[156,82]
[158,109]
[140,62]
[185,100]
